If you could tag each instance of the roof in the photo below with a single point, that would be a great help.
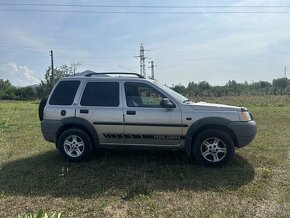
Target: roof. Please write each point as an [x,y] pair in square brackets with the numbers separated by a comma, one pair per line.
[91,75]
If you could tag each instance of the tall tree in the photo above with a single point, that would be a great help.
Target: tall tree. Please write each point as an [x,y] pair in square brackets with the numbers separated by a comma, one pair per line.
[46,84]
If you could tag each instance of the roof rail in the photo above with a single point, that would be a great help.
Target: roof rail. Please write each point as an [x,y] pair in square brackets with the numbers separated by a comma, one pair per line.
[114,73]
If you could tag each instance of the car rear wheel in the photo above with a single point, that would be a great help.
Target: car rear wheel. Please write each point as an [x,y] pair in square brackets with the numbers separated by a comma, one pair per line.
[213,148]
[75,145]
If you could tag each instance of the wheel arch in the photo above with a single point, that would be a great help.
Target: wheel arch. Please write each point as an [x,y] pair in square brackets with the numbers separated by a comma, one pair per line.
[79,123]
[41,107]
[204,124]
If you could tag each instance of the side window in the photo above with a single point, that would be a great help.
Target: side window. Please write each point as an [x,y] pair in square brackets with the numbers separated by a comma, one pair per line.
[64,93]
[142,95]
[104,94]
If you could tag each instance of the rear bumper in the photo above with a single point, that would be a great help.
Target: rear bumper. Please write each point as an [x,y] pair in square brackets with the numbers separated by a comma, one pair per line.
[244,131]
[49,129]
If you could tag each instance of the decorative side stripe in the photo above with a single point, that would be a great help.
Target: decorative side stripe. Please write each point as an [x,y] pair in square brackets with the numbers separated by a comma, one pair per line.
[140,124]
[142,137]
[107,123]
[156,124]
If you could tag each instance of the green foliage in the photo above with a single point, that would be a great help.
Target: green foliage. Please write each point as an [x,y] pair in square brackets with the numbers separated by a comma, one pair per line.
[280,86]
[180,89]
[46,84]
[281,83]
[25,93]
[9,92]
[40,214]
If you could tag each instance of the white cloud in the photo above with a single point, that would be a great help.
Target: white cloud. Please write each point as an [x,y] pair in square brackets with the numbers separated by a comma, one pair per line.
[17,75]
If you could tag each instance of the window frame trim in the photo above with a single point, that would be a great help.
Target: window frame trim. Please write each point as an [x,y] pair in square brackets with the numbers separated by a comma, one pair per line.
[98,81]
[144,84]
[56,85]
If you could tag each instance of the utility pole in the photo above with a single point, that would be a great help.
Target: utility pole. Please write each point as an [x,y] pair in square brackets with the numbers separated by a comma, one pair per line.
[52,68]
[152,69]
[285,71]
[142,60]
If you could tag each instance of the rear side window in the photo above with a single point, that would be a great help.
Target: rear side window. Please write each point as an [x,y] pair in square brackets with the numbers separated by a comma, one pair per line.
[64,93]
[104,94]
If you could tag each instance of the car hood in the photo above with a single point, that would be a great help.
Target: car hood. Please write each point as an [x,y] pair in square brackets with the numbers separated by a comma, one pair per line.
[215,107]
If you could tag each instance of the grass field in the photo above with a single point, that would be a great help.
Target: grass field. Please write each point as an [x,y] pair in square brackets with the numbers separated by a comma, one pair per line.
[146,183]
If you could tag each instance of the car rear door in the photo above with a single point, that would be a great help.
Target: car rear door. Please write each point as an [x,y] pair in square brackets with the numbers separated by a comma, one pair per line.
[62,99]
[101,105]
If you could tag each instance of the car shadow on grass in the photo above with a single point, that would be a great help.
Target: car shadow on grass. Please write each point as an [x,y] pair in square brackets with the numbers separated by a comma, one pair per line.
[126,173]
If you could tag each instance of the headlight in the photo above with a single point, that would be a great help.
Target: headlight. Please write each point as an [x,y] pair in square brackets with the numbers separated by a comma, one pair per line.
[245,116]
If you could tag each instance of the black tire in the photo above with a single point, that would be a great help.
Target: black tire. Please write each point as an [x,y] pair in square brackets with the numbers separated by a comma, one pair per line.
[41,107]
[213,148]
[69,145]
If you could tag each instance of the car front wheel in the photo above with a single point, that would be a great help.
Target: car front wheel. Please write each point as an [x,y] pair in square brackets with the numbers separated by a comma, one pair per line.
[213,148]
[75,145]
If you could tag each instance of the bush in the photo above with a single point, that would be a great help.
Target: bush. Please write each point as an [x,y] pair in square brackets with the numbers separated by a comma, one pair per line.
[40,214]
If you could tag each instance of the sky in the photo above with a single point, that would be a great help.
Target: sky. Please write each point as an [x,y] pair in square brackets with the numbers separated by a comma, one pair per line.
[215,47]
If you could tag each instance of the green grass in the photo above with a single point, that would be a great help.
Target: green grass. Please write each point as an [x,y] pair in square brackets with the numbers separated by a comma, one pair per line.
[40,214]
[145,183]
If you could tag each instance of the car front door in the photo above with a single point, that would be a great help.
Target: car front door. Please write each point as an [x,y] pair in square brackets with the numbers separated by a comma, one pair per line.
[146,122]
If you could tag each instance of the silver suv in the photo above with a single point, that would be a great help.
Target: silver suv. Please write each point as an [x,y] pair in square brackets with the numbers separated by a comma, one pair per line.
[105,110]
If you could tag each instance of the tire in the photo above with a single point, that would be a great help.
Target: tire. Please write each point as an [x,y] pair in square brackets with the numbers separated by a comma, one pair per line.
[41,107]
[213,148]
[75,145]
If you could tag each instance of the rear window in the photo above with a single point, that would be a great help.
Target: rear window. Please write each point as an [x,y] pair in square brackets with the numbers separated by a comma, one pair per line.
[64,93]
[104,94]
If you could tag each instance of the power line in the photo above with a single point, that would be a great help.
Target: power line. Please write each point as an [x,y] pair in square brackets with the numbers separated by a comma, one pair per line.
[125,68]
[208,59]
[34,48]
[39,49]
[144,6]
[147,12]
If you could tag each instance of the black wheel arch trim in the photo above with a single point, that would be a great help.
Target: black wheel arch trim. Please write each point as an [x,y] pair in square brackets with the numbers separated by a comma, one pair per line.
[75,122]
[198,126]
[41,107]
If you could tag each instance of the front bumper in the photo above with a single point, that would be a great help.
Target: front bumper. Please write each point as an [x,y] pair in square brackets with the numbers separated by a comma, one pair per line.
[244,131]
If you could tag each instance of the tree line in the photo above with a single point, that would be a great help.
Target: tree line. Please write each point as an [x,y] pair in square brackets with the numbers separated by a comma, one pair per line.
[10,92]
[280,86]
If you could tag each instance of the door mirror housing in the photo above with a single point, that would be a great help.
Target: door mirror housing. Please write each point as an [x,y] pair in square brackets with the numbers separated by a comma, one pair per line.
[166,103]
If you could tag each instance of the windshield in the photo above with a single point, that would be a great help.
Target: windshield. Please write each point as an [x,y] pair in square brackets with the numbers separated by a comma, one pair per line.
[174,94]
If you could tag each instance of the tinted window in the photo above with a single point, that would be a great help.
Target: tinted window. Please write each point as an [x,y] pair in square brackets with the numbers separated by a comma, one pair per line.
[101,94]
[142,95]
[64,93]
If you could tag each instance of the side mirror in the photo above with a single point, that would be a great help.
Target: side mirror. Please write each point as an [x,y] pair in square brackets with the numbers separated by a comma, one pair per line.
[167,103]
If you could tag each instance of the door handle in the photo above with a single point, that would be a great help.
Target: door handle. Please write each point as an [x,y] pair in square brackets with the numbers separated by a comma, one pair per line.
[131,112]
[84,111]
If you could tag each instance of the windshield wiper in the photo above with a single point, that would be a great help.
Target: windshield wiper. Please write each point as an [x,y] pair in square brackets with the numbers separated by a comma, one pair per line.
[187,100]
